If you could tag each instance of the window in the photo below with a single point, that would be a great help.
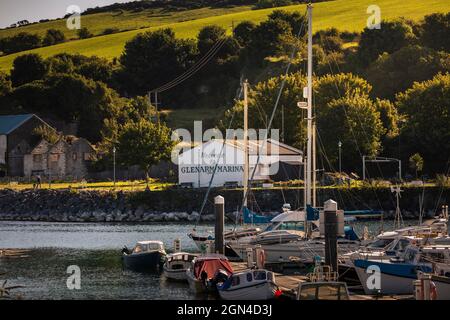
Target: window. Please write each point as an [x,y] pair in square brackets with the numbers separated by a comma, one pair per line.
[54,157]
[259,275]
[37,157]
[74,156]
[249,277]
[235,281]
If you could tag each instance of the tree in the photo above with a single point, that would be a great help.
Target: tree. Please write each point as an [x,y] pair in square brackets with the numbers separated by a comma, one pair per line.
[20,42]
[396,72]
[208,36]
[5,84]
[243,31]
[53,36]
[297,21]
[27,68]
[145,144]
[270,38]
[392,36]
[416,163]
[47,133]
[355,122]
[426,109]
[152,59]
[261,103]
[435,31]
[84,33]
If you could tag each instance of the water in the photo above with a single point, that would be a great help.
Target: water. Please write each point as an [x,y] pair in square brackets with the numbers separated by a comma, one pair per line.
[95,248]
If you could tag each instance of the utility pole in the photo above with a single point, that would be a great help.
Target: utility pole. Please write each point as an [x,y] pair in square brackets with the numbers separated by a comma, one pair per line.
[114,166]
[314,166]
[340,158]
[246,164]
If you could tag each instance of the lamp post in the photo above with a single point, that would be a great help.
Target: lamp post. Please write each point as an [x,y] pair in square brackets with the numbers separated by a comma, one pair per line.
[340,157]
[114,166]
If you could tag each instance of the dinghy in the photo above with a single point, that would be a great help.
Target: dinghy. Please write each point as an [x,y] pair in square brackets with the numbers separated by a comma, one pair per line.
[176,265]
[203,269]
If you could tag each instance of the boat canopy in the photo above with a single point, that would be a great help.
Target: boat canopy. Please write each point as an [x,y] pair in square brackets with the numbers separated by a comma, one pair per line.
[290,216]
[211,266]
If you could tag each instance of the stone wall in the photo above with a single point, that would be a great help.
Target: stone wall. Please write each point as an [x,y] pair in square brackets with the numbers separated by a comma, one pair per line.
[183,205]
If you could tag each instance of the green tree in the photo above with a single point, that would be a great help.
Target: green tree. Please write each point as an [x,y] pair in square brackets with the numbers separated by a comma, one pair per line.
[145,144]
[5,84]
[47,133]
[436,30]
[84,33]
[426,108]
[243,32]
[396,72]
[152,59]
[296,20]
[416,163]
[20,42]
[392,36]
[355,121]
[53,36]
[27,68]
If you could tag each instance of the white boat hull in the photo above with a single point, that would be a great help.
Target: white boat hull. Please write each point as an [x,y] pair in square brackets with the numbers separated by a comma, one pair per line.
[260,291]
[179,275]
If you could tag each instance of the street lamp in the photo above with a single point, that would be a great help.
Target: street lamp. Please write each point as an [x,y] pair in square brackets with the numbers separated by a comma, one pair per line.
[340,158]
[114,165]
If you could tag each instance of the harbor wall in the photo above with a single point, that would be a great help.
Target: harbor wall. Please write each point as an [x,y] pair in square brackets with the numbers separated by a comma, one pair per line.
[184,204]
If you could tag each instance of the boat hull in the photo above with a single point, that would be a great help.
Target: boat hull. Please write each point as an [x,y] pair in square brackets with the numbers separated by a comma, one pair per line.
[143,262]
[259,291]
[177,275]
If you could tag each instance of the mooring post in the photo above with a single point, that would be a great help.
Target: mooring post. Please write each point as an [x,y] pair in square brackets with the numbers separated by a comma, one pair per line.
[331,226]
[219,205]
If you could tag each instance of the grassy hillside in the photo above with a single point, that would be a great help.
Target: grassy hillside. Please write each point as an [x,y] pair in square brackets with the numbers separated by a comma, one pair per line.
[123,20]
[342,14]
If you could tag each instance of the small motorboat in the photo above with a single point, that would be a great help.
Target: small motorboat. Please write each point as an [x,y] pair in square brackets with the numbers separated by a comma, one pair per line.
[204,268]
[176,265]
[248,285]
[145,256]
[323,285]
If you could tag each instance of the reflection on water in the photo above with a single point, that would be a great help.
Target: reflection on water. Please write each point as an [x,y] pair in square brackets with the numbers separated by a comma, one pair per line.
[95,248]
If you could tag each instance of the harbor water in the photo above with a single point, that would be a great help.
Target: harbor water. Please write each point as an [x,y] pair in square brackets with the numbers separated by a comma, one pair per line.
[95,249]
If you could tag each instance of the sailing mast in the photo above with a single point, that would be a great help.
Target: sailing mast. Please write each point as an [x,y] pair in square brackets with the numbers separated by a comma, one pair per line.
[310,157]
[246,164]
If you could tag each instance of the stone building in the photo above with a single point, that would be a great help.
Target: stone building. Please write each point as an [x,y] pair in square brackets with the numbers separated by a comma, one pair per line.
[67,158]
[16,140]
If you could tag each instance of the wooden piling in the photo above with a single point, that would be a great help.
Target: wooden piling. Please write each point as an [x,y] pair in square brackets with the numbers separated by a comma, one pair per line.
[219,205]
[331,226]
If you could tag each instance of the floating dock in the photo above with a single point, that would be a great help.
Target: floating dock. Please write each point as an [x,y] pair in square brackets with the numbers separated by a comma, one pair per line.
[288,282]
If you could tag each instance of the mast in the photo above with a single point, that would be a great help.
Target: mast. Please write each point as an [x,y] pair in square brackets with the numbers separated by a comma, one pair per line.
[310,159]
[314,166]
[246,164]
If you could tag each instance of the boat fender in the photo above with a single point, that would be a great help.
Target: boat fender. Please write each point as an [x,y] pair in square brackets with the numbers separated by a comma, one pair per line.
[262,257]
[433,291]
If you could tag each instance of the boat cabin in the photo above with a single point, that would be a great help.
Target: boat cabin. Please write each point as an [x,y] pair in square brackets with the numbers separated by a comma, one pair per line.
[148,246]
[180,260]
[247,279]
[323,291]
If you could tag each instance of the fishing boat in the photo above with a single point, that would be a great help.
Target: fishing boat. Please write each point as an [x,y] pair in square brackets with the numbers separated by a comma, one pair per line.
[145,256]
[176,265]
[203,269]
[398,274]
[322,284]
[248,285]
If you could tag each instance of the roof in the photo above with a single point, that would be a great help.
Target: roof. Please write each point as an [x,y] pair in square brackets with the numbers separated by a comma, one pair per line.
[150,241]
[10,123]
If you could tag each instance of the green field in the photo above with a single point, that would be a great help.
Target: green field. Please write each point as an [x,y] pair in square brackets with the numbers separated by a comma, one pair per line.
[342,14]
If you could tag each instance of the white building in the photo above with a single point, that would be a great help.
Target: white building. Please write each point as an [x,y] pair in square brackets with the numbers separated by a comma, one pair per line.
[196,165]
